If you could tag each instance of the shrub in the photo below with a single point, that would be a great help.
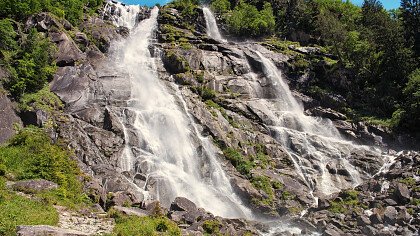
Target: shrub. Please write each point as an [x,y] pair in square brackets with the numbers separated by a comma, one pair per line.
[31,155]
[211,227]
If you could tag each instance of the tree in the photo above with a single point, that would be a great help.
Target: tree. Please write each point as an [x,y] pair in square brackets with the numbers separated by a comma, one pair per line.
[410,12]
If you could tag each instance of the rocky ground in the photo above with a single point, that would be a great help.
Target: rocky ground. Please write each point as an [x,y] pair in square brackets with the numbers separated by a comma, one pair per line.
[214,81]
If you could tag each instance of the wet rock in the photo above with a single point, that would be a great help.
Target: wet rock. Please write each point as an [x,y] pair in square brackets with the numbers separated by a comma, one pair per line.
[123,31]
[363,220]
[369,230]
[42,230]
[34,186]
[376,218]
[183,204]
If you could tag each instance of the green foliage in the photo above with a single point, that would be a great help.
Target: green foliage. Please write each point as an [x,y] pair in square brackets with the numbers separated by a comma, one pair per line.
[72,10]
[31,155]
[245,19]
[187,7]
[205,93]
[7,35]
[220,6]
[211,227]
[19,210]
[31,66]
[147,226]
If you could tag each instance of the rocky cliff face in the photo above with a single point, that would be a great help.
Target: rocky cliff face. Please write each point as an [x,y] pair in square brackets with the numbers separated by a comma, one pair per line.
[229,94]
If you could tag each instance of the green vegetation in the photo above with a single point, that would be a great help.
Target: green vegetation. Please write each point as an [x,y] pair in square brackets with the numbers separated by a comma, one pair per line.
[31,65]
[211,227]
[19,210]
[347,200]
[246,20]
[241,163]
[31,155]
[145,226]
[375,52]
[44,100]
[72,10]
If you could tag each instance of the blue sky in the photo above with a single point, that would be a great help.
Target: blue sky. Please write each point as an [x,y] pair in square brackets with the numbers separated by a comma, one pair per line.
[388,4]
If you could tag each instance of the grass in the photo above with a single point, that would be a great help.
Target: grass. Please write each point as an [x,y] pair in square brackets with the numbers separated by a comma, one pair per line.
[31,155]
[19,210]
[143,226]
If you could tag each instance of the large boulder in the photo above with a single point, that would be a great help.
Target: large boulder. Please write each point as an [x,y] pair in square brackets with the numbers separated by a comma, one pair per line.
[43,230]
[34,186]
[43,22]
[68,53]
[183,204]
[8,117]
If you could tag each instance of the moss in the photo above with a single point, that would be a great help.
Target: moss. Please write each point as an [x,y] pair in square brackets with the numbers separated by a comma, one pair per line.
[282,46]
[348,200]
[410,181]
[241,163]
[211,227]
[44,100]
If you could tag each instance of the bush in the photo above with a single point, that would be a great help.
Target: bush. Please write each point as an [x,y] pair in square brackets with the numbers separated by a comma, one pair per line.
[243,165]
[211,227]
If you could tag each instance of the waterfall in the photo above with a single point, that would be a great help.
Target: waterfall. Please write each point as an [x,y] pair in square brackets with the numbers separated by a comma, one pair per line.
[123,15]
[211,24]
[163,147]
[313,143]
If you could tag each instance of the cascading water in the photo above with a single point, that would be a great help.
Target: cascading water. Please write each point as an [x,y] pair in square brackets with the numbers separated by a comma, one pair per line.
[211,24]
[169,158]
[314,144]
[123,15]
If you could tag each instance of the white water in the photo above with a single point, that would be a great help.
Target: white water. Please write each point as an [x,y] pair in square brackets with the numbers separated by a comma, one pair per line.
[211,24]
[123,15]
[170,153]
[313,143]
